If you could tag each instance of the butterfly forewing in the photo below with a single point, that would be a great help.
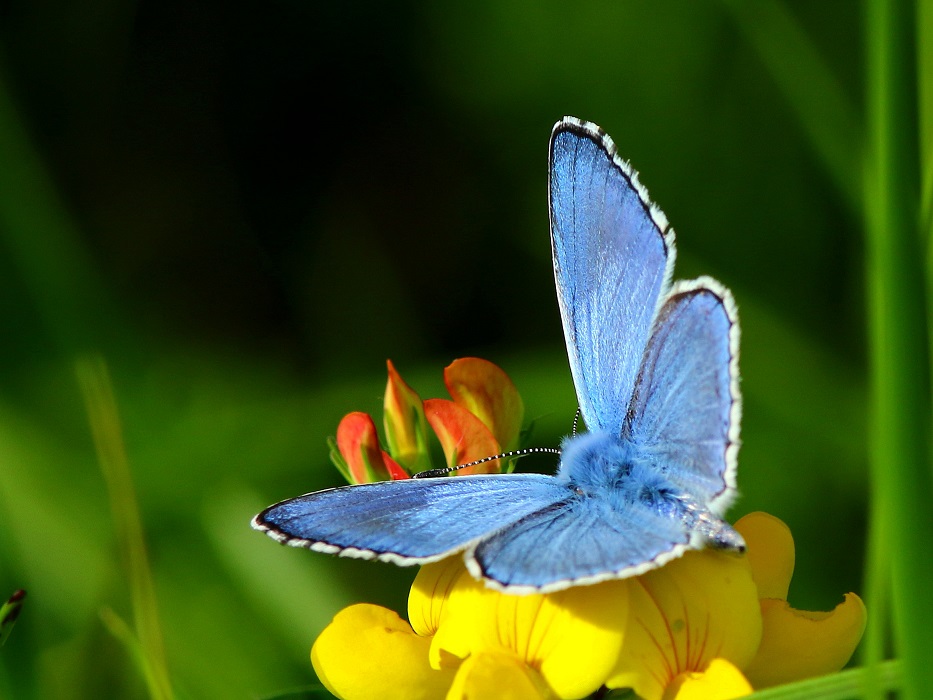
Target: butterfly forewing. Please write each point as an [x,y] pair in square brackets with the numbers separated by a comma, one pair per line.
[408,521]
[612,254]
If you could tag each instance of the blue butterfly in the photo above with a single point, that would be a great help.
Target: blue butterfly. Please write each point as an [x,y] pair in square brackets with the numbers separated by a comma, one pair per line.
[655,367]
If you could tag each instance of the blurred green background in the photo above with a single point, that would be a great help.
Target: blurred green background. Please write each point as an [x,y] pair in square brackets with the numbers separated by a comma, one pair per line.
[246,208]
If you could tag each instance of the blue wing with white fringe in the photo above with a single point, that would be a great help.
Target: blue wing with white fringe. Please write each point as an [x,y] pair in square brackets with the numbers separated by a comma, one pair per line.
[411,521]
[686,408]
[613,254]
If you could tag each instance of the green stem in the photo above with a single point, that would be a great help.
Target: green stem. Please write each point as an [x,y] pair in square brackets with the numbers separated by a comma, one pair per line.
[836,686]
[108,439]
[901,476]
[925,94]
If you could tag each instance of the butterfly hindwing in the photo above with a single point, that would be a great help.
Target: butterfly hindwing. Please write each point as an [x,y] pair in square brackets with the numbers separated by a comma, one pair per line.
[685,412]
[613,253]
[411,521]
[577,541]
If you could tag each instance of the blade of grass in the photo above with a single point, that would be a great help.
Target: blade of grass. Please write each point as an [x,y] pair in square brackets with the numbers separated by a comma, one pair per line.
[900,464]
[108,440]
[837,686]
[827,115]
[140,657]
[925,93]
[878,593]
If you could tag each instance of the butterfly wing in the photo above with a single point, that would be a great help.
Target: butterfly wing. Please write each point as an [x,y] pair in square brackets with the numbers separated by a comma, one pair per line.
[686,408]
[613,254]
[411,521]
[580,540]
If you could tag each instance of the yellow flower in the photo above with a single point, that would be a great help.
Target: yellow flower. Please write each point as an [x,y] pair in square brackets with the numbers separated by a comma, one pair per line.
[468,641]
[710,625]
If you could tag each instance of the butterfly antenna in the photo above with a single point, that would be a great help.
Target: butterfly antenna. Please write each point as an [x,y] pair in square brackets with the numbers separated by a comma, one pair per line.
[576,418]
[444,471]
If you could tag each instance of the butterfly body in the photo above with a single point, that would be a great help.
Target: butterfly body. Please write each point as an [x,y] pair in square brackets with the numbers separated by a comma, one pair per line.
[603,466]
[655,366]
[608,468]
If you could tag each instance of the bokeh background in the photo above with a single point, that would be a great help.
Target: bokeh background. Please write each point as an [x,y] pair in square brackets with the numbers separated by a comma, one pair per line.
[246,208]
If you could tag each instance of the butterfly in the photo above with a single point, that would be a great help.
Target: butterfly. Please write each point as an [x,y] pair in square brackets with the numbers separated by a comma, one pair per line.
[655,367]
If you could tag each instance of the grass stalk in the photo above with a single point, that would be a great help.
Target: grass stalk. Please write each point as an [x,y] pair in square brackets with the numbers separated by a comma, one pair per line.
[901,475]
[836,686]
[99,399]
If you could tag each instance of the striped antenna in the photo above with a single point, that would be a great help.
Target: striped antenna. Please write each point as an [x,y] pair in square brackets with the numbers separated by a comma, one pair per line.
[514,453]
[576,418]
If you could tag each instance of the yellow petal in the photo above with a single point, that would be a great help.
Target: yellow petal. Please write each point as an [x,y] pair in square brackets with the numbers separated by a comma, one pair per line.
[573,637]
[579,644]
[720,681]
[428,596]
[770,552]
[501,676]
[369,652]
[797,644]
[682,616]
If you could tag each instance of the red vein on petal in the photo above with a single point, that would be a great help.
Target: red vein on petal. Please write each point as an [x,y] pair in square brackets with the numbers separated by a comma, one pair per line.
[545,629]
[666,662]
[667,626]
[687,637]
[706,641]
